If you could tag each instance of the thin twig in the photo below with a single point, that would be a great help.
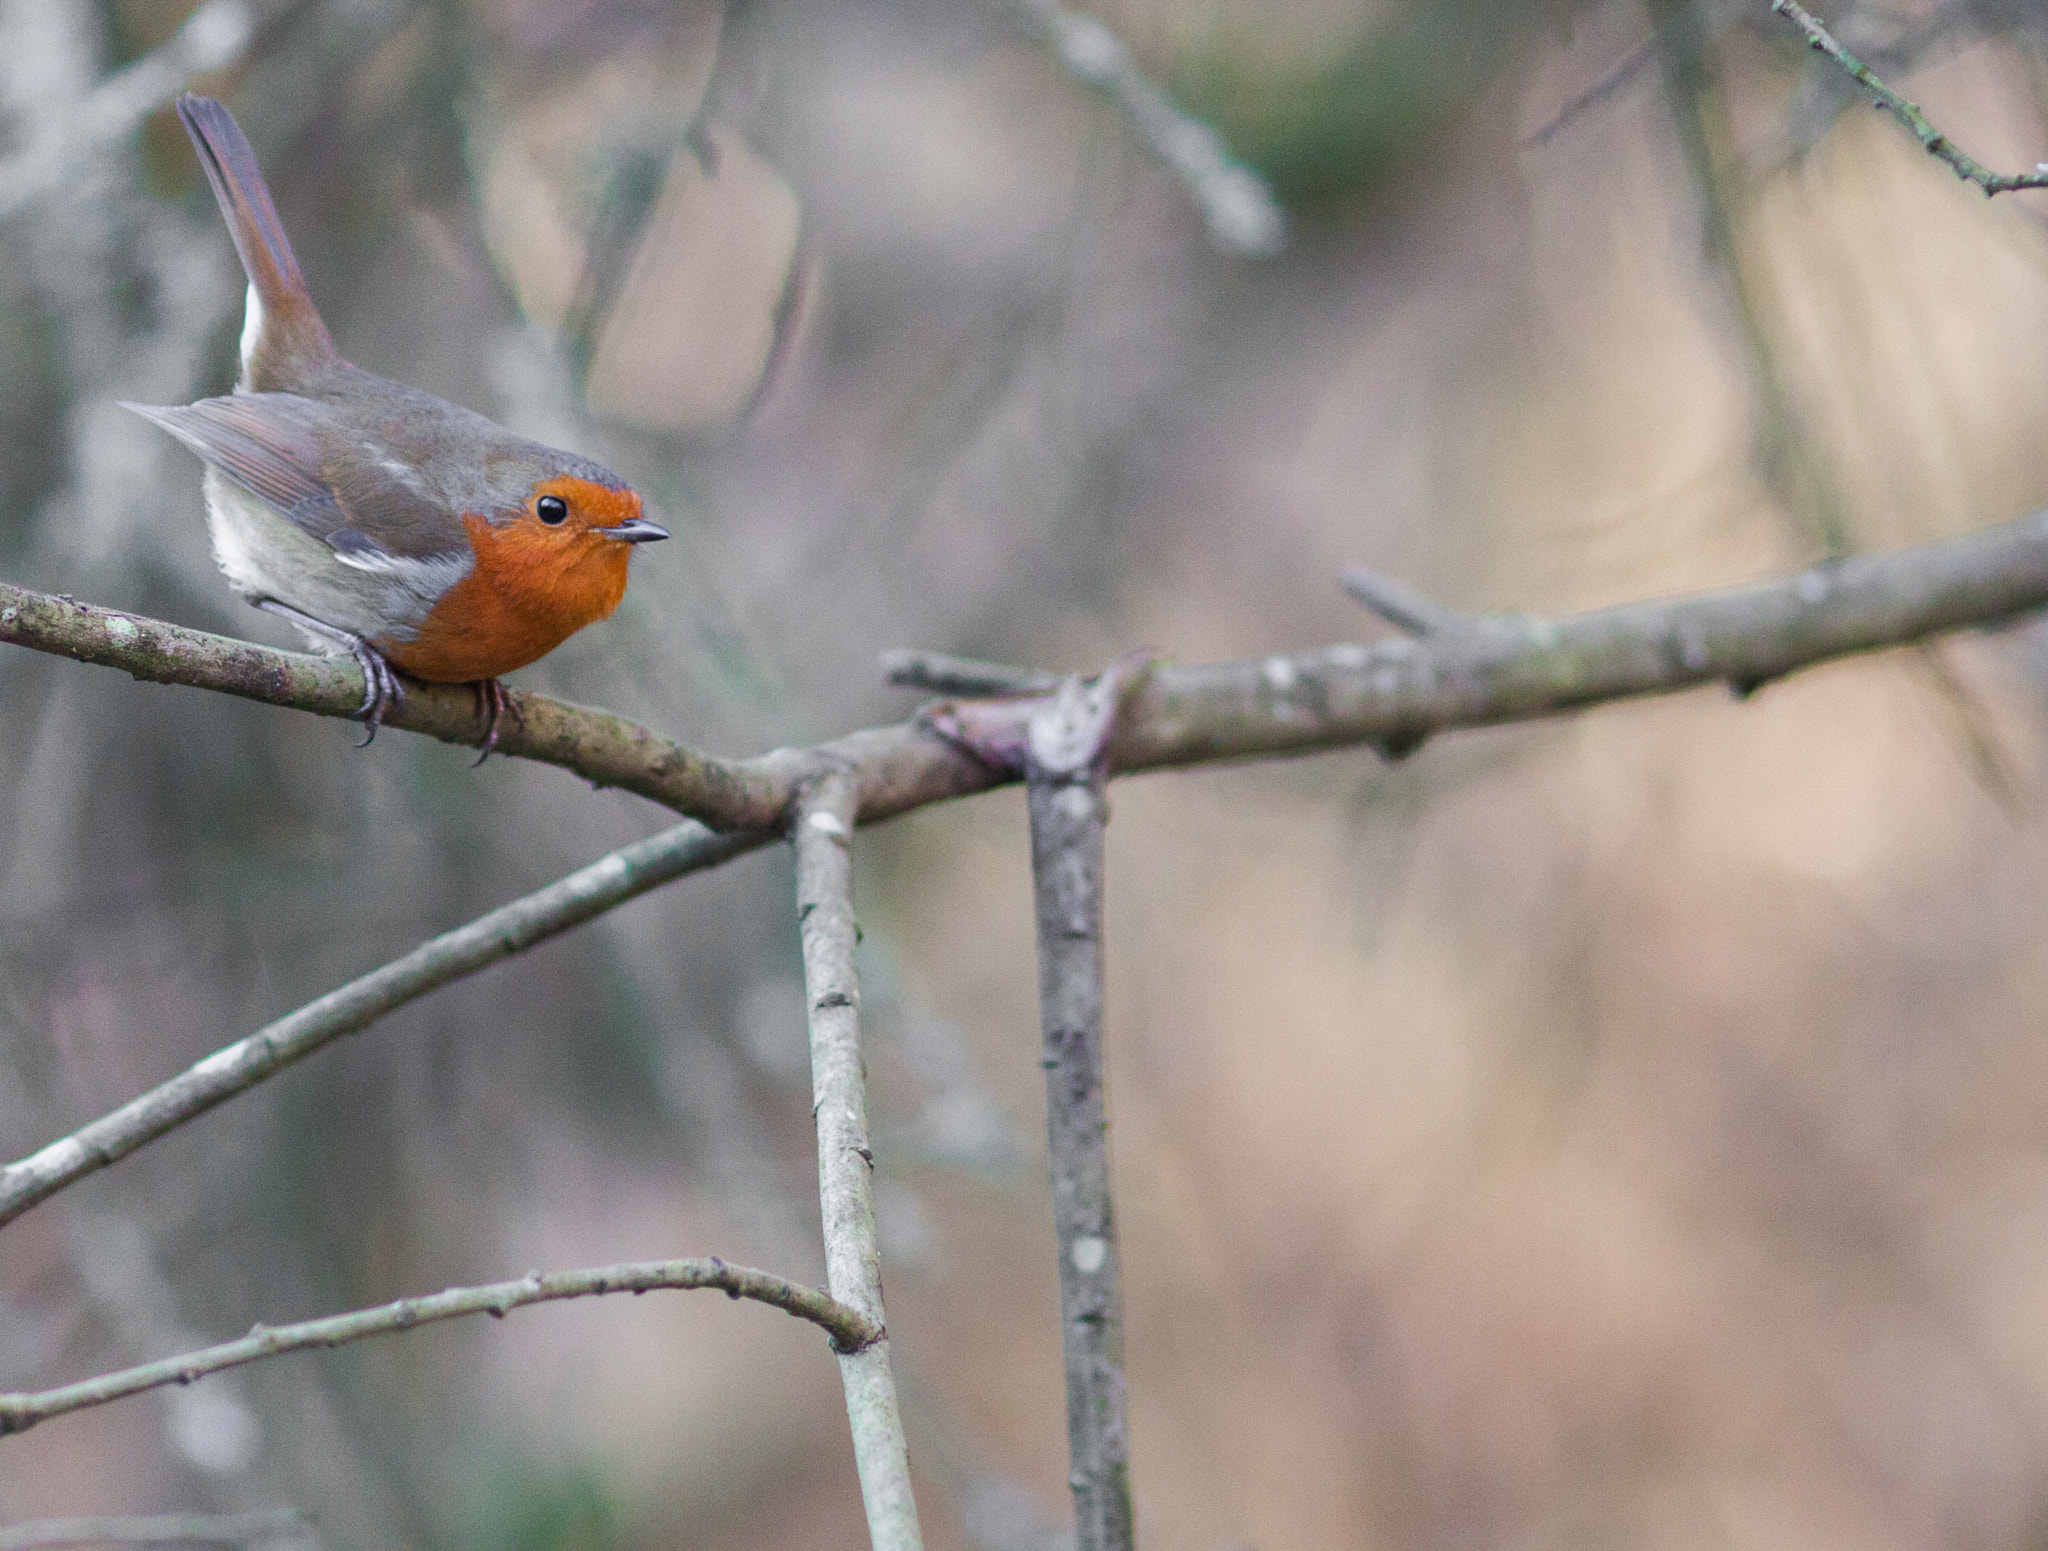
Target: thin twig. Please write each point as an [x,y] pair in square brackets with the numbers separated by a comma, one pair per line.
[212,38]
[1064,782]
[822,835]
[1404,607]
[1237,205]
[1936,143]
[167,1529]
[510,929]
[941,674]
[850,1329]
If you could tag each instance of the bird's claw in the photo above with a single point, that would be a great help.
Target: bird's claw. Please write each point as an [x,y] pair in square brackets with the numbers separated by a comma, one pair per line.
[381,689]
[493,701]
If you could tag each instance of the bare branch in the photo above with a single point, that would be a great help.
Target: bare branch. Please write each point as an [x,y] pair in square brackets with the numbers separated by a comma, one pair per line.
[1066,747]
[510,929]
[822,835]
[945,675]
[1400,605]
[1242,215]
[604,749]
[850,1329]
[1514,669]
[212,38]
[1936,143]
[190,1529]
[1390,696]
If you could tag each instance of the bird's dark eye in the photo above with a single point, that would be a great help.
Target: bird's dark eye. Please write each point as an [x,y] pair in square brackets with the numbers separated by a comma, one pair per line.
[553,509]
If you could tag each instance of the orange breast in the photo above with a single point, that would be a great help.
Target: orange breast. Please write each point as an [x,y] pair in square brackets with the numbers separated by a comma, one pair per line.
[533,587]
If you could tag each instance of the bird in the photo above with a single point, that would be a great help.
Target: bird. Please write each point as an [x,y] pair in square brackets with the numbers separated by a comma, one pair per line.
[381,521]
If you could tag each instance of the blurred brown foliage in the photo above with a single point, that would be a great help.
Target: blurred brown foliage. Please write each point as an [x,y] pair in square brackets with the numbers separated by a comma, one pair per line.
[1629,1131]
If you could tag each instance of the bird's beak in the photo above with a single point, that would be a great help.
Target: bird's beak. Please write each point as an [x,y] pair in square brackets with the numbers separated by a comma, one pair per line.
[636,530]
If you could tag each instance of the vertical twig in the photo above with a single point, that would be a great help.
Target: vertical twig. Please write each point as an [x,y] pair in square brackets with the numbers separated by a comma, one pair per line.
[823,840]
[1064,772]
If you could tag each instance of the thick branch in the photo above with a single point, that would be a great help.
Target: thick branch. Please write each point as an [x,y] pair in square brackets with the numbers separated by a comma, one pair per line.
[507,930]
[1504,669]
[604,749]
[822,835]
[168,1529]
[1936,143]
[850,1329]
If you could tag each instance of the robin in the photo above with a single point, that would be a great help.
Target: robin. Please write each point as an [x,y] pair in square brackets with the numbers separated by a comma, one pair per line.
[378,519]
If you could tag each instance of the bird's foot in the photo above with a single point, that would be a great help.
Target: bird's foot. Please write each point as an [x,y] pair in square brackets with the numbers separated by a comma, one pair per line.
[381,689]
[494,701]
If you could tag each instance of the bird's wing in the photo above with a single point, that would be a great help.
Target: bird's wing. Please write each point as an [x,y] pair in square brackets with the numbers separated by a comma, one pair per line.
[294,453]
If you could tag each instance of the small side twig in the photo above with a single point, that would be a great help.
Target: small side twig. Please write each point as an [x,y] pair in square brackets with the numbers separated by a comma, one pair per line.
[162,1529]
[1404,607]
[513,928]
[939,673]
[1065,769]
[849,1328]
[822,836]
[1907,113]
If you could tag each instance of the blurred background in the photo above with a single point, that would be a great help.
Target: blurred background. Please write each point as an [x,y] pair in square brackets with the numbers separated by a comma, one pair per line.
[1626,1131]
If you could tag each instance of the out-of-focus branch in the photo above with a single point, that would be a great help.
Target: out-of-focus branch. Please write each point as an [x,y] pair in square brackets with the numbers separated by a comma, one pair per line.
[850,1329]
[212,38]
[1239,209]
[169,1529]
[1792,462]
[1936,143]
[1618,75]
[822,835]
[510,929]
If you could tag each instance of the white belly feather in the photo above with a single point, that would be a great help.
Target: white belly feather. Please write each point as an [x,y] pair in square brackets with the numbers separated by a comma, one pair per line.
[265,555]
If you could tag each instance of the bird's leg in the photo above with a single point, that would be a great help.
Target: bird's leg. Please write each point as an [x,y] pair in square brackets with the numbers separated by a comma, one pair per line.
[491,698]
[381,689]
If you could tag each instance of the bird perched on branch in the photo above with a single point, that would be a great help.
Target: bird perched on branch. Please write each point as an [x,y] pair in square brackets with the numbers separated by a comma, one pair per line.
[378,519]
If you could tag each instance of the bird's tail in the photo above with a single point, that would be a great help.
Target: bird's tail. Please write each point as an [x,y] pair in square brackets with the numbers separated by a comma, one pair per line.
[282,336]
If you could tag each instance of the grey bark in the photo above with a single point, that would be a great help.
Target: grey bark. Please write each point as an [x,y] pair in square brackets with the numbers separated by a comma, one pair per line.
[822,836]
[1064,778]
